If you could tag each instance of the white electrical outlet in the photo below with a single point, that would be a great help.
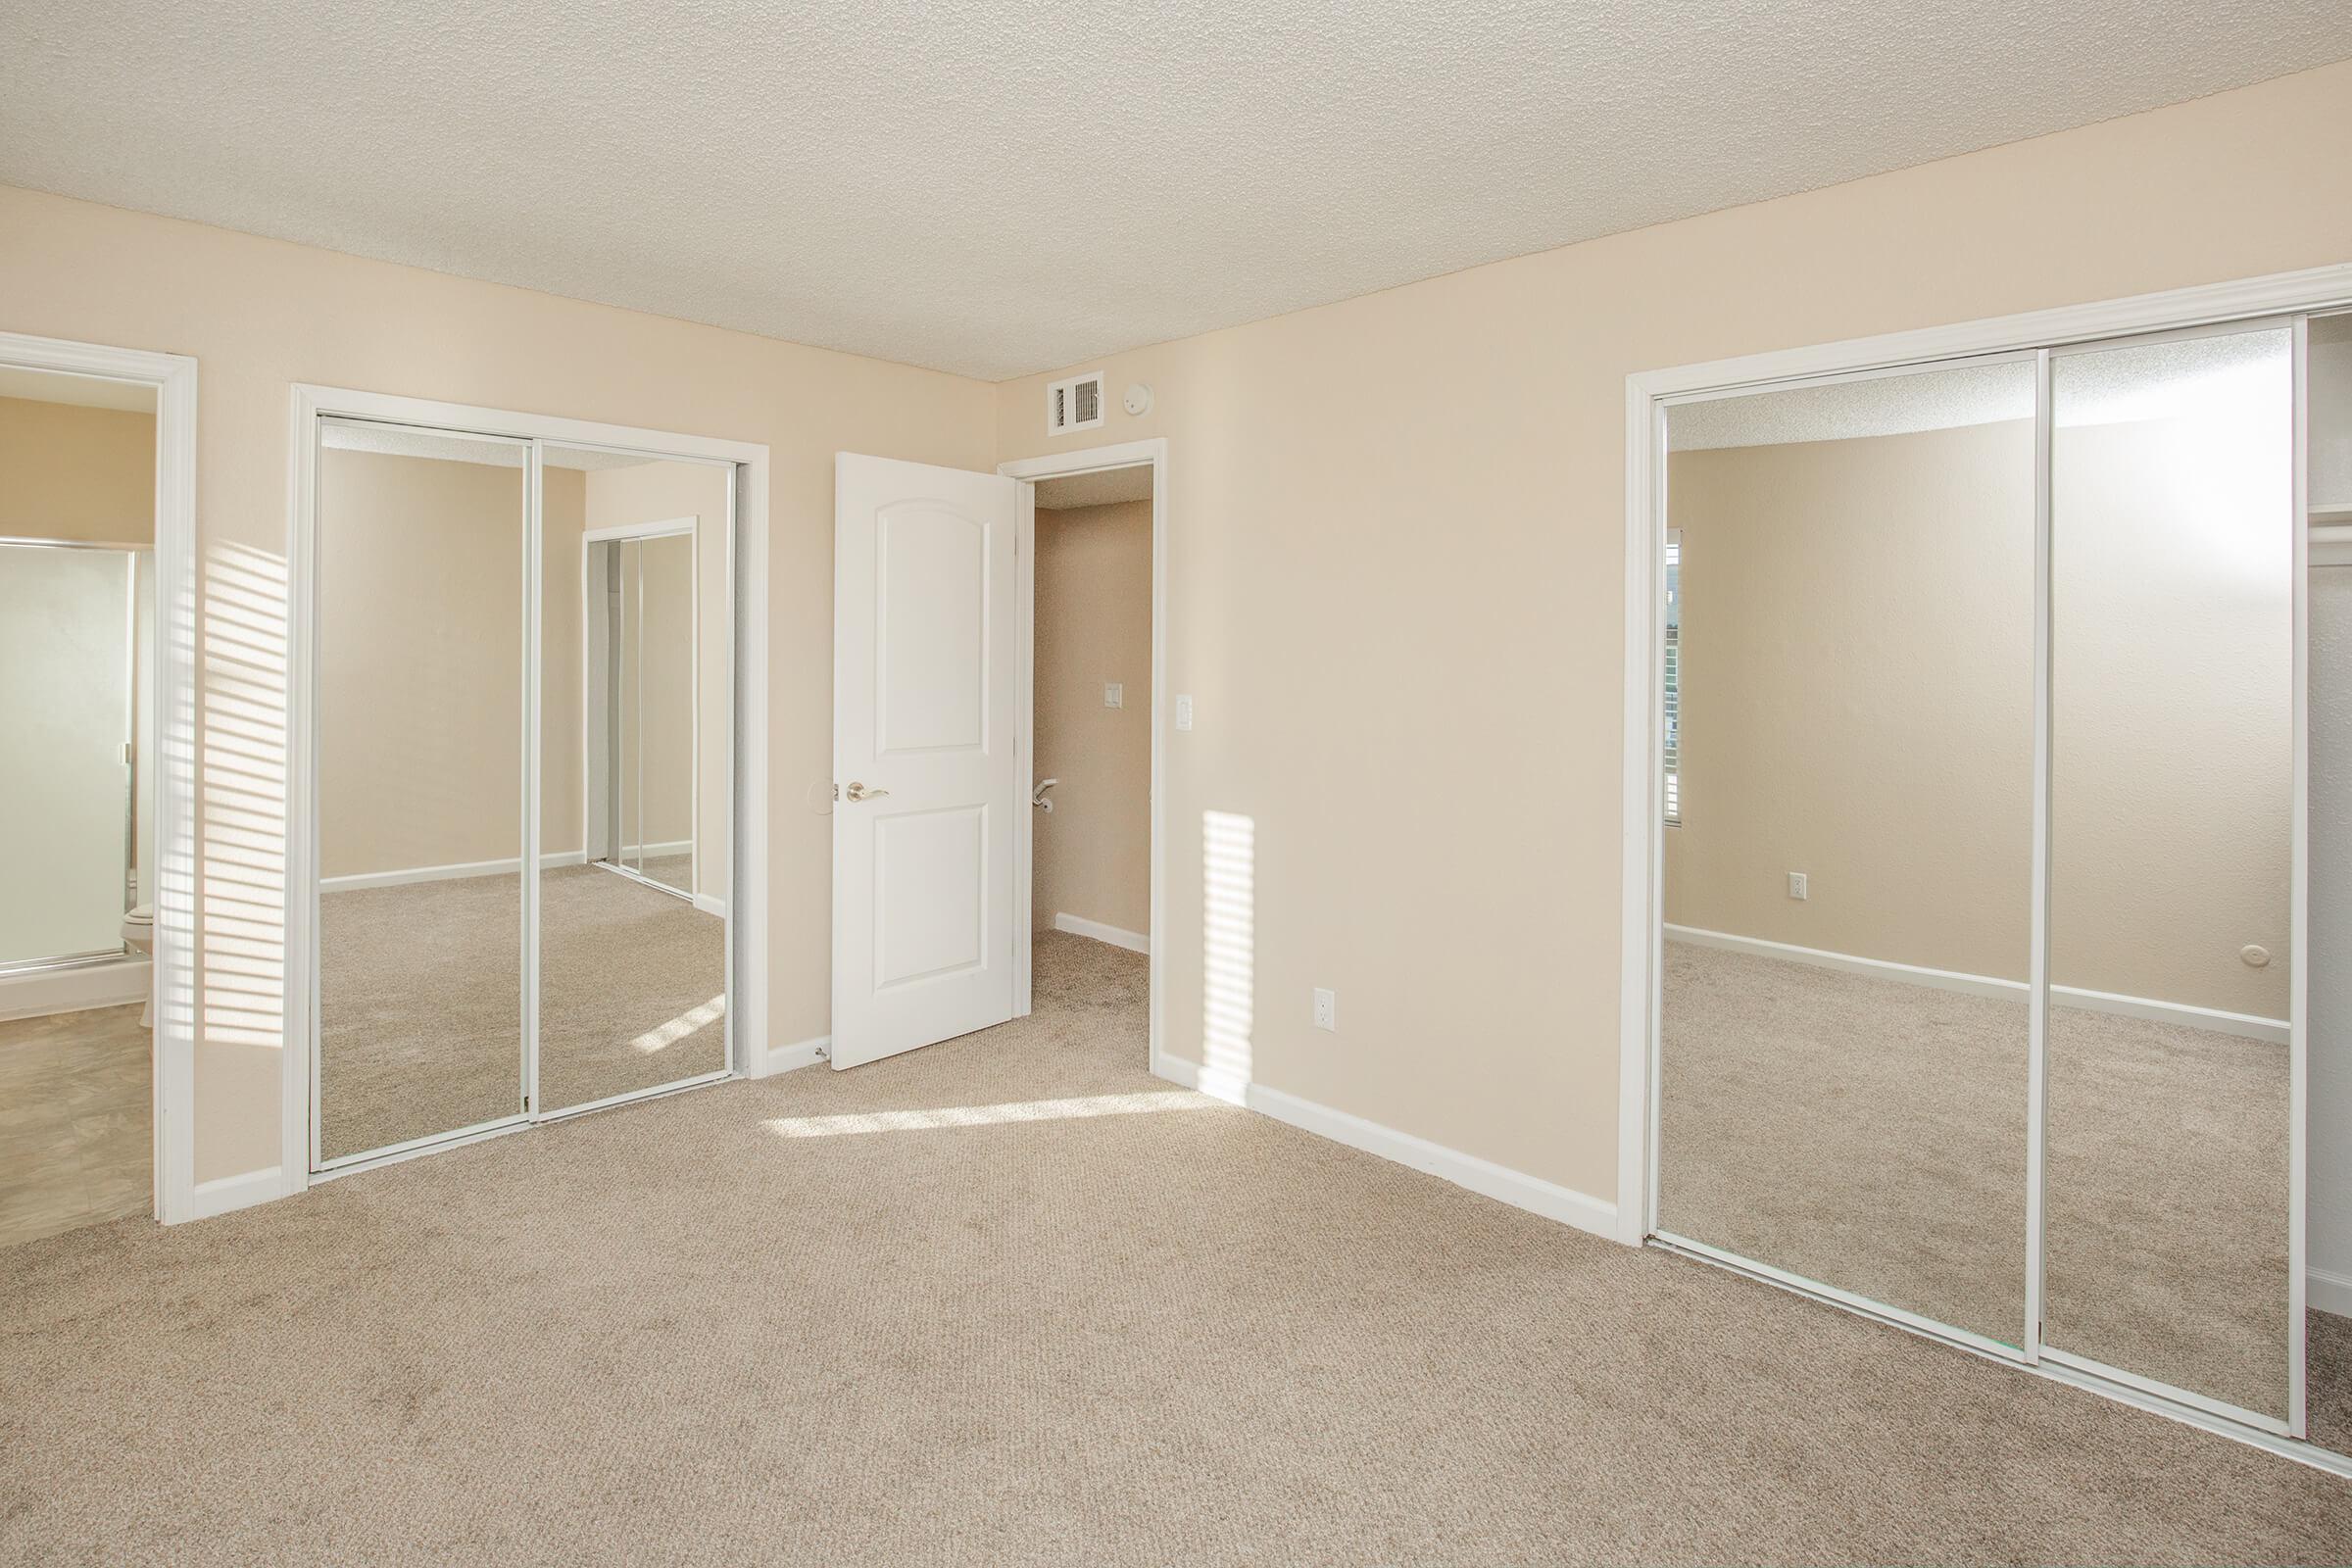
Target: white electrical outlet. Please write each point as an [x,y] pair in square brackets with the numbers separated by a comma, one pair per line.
[1796,884]
[1327,1010]
[1184,712]
[1114,694]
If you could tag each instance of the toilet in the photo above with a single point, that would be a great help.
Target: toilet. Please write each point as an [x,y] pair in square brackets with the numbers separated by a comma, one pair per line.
[138,935]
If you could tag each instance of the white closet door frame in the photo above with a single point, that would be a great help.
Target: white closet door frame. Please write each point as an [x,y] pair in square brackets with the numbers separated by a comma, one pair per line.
[2245,305]
[747,463]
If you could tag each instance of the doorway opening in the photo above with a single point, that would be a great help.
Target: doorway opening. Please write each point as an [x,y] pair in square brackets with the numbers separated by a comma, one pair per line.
[976,619]
[96,507]
[1092,723]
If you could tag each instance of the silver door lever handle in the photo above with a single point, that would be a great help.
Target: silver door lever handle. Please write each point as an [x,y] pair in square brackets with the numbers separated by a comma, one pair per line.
[858,792]
[1037,796]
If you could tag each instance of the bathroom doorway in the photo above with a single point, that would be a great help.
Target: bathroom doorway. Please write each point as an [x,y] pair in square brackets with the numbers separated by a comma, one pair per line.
[79,807]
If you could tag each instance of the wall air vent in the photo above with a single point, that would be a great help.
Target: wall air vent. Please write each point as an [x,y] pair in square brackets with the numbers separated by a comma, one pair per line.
[1075,404]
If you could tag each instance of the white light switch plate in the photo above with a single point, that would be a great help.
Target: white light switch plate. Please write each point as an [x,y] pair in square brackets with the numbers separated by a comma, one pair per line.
[1184,712]
[1114,694]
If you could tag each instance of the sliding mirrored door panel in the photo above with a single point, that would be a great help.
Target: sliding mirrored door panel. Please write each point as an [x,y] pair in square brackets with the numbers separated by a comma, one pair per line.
[2173,681]
[636,712]
[420,668]
[1842,1074]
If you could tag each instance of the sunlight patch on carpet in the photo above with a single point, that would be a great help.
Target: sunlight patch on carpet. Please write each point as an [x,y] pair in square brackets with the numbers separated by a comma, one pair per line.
[902,1121]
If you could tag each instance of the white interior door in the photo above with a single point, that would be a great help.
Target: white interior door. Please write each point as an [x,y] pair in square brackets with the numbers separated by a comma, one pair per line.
[925,652]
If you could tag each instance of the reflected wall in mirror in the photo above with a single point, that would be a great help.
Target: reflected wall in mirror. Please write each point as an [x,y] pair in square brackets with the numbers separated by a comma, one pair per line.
[2172,676]
[636,714]
[1843,1029]
[420,594]
[2329,1108]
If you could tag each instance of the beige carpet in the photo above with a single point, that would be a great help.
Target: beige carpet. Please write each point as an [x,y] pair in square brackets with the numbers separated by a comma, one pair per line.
[77,1121]
[420,1023]
[1870,1135]
[670,1334]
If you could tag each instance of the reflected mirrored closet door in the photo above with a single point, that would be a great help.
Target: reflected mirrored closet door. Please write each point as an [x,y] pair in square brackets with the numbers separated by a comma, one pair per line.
[637,715]
[421,585]
[2169,1207]
[1842,1074]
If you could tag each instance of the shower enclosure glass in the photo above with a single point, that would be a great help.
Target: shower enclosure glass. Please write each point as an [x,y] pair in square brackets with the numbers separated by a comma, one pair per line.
[68,645]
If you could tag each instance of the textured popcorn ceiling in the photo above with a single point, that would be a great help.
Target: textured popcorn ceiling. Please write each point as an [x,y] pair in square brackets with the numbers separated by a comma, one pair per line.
[1000,186]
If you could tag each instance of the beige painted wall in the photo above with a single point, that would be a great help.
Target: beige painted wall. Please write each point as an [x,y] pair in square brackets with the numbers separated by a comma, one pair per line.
[1858,695]
[659,492]
[1093,851]
[1397,578]
[70,473]
[2171,722]
[419,663]
[1859,666]
[258,316]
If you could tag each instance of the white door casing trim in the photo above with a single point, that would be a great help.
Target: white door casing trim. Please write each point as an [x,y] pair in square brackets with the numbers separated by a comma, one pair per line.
[1096,460]
[748,760]
[178,1000]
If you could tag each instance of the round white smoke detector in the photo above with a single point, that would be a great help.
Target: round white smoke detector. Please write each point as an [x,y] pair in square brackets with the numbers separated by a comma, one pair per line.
[1138,401]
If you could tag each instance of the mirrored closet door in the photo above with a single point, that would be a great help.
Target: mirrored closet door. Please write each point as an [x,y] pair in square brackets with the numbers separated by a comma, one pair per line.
[522,722]
[2006,781]
[633,941]
[420,664]
[1849,837]
[2172,623]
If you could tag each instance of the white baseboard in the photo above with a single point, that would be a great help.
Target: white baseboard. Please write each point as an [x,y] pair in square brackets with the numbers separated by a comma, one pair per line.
[648,851]
[1132,941]
[711,906]
[2327,1293]
[225,1193]
[772,1060]
[1553,1202]
[39,993]
[446,873]
[2273,1030]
